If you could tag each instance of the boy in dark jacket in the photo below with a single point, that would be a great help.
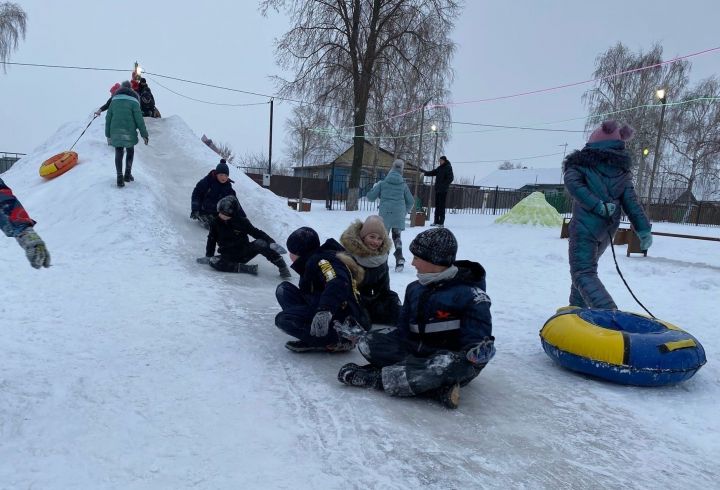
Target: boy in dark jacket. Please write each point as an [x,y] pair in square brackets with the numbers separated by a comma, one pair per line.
[327,291]
[15,222]
[208,191]
[147,101]
[443,178]
[229,232]
[444,336]
[599,179]
[369,244]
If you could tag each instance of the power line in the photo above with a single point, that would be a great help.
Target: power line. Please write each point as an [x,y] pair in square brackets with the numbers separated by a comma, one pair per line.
[206,101]
[510,159]
[519,127]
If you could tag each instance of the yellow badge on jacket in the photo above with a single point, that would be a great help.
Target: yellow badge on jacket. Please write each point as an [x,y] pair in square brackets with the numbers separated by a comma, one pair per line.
[327,270]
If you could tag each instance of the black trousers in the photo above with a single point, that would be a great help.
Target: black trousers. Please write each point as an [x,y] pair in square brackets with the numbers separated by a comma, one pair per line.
[440,198]
[228,261]
[128,159]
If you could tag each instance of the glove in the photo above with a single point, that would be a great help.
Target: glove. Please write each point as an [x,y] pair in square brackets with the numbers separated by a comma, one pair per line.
[320,324]
[350,329]
[108,140]
[34,248]
[645,239]
[605,209]
[146,139]
[98,112]
[480,354]
[203,260]
[194,214]
[277,248]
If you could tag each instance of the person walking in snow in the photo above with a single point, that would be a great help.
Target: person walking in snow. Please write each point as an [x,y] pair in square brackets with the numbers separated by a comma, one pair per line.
[327,292]
[105,106]
[599,179]
[208,191]
[369,244]
[229,233]
[122,121]
[443,338]
[396,201]
[147,101]
[15,222]
[444,177]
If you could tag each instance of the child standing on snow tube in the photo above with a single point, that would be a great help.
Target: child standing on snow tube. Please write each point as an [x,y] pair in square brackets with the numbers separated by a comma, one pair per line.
[599,179]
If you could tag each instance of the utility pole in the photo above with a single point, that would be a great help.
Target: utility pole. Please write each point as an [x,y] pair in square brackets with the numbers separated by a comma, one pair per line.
[434,129]
[302,169]
[562,170]
[663,100]
[419,160]
[270,144]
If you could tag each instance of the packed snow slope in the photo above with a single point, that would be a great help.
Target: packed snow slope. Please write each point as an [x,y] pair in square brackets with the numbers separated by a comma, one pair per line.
[127,365]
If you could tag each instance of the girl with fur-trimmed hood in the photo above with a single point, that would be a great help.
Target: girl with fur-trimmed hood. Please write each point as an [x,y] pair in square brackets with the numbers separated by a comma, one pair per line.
[369,244]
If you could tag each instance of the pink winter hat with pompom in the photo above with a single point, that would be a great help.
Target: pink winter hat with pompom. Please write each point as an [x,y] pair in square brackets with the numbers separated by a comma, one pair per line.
[114,88]
[611,130]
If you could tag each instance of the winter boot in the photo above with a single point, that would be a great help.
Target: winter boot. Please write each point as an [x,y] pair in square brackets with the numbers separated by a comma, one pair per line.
[283,268]
[247,269]
[343,345]
[399,264]
[448,395]
[366,376]
[128,175]
[120,181]
[300,346]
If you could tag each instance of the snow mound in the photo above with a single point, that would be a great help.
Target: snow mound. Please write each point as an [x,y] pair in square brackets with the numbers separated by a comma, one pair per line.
[533,210]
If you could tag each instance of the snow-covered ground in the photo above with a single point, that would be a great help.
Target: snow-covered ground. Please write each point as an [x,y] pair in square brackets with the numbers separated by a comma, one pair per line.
[127,365]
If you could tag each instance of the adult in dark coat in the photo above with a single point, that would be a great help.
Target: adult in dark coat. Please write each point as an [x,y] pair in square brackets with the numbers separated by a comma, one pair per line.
[369,244]
[208,191]
[229,233]
[443,178]
[15,222]
[599,179]
[327,292]
[147,101]
[443,338]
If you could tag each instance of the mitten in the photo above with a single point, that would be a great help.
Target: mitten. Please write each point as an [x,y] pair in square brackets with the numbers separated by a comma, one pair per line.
[194,214]
[645,237]
[34,248]
[320,324]
[481,353]
[605,209]
[277,248]
[146,139]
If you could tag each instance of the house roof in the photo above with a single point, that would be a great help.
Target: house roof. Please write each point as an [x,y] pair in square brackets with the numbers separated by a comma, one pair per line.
[517,178]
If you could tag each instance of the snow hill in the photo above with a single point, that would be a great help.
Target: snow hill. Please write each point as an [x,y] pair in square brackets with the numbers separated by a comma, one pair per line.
[126,365]
[532,210]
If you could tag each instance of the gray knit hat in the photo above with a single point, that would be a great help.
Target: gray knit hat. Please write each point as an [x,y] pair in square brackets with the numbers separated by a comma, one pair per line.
[437,246]
[398,165]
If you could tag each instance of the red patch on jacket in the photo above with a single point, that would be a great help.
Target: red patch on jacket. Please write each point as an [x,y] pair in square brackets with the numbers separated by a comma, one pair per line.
[442,315]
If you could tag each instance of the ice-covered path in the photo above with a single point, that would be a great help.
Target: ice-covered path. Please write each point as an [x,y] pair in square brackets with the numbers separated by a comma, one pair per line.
[127,365]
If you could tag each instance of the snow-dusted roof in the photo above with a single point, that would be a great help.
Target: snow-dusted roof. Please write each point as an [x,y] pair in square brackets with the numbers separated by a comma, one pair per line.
[520,177]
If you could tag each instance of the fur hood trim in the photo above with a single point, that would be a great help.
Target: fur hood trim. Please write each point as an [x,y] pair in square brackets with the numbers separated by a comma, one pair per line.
[357,272]
[352,242]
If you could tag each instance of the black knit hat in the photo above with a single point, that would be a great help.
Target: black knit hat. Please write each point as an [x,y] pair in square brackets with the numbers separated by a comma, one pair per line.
[228,205]
[222,168]
[303,241]
[437,246]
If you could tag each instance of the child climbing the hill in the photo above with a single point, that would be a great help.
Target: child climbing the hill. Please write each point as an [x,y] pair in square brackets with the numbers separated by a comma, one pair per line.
[229,232]
[443,338]
[369,244]
[327,291]
[15,222]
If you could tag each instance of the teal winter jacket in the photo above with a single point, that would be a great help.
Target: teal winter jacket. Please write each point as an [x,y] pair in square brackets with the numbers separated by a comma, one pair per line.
[396,200]
[123,120]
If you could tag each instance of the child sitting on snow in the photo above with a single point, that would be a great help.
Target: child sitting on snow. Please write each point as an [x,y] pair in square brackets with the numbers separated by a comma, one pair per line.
[230,233]
[327,291]
[444,336]
[369,244]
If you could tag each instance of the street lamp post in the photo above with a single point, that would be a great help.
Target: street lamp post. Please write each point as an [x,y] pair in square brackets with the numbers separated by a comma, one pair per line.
[641,171]
[302,169]
[663,100]
[419,161]
[434,129]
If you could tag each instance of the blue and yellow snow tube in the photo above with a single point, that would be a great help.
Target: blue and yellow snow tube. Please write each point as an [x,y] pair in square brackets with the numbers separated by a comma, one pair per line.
[622,347]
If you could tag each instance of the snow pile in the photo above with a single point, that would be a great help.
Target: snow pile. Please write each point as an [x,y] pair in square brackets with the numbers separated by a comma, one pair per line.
[533,210]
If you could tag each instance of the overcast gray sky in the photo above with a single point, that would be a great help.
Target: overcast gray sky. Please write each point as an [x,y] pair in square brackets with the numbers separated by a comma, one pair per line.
[504,47]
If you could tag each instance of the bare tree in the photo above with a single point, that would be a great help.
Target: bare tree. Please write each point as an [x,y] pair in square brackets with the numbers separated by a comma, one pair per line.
[252,161]
[322,142]
[340,48]
[617,93]
[694,134]
[226,151]
[13,23]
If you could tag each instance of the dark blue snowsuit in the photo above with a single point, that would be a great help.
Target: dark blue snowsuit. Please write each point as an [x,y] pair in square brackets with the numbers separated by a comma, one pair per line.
[599,173]
[438,323]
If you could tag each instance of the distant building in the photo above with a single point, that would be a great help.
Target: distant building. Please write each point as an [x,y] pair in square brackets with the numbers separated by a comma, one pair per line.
[526,179]
[8,159]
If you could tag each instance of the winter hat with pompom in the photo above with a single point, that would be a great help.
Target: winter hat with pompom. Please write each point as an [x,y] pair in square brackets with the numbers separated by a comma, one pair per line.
[437,246]
[611,130]
[373,224]
[222,168]
[114,88]
[398,165]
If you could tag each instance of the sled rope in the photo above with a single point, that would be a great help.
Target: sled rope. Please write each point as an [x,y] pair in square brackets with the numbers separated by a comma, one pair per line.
[81,134]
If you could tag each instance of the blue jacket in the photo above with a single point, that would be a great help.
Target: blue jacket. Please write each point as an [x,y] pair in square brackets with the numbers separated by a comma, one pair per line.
[208,191]
[328,279]
[13,217]
[452,315]
[601,172]
[396,200]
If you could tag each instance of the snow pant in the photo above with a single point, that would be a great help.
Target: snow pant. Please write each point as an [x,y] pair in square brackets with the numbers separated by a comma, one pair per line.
[408,369]
[397,241]
[229,261]
[440,198]
[297,315]
[130,152]
[584,252]
[384,308]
